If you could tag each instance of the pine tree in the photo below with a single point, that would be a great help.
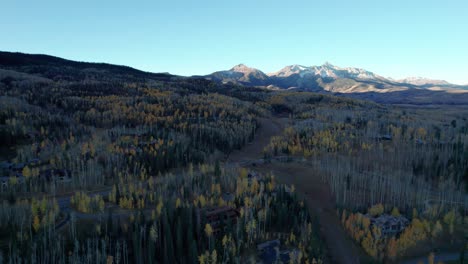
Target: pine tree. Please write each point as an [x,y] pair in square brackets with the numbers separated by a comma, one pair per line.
[193,252]
[217,170]
[179,238]
[168,240]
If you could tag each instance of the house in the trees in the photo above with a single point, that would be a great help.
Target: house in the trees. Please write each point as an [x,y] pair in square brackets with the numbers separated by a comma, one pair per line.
[268,245]
[389,225]
[58,175]
[34,162]
[385,137]
[419,141]
[269,252]
[218,217]
[62,175]
[285,255]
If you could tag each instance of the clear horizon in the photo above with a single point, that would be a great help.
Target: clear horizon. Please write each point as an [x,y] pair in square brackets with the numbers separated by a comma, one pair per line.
[398,39]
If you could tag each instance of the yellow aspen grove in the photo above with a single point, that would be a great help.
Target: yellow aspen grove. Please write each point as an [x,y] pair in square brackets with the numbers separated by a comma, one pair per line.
[102,163]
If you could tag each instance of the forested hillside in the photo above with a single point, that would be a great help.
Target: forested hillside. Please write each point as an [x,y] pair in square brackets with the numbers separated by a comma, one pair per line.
[108,164]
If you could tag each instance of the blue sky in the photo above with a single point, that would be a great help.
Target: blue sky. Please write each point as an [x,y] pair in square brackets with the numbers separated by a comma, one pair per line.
[392,38]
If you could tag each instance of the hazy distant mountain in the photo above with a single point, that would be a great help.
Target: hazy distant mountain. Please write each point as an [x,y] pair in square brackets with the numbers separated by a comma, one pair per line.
[423,81]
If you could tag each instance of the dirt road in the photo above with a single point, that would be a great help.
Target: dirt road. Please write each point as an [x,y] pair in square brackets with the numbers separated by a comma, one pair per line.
[254,150]
[320,202]
[308,184]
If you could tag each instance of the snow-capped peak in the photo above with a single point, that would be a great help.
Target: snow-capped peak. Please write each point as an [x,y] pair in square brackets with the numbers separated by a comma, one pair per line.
[327,70]
[297,67]
[290,70]
[240,68]
[241,73]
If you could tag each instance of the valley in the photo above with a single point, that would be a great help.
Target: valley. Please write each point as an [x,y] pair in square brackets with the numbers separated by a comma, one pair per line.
[106,163]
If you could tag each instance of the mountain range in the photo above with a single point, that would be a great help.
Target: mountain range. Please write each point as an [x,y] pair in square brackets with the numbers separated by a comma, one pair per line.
[349,81]
[328,77]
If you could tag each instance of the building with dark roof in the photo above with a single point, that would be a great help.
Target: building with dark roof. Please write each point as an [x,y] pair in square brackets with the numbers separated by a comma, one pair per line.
[388,224]
[218,217]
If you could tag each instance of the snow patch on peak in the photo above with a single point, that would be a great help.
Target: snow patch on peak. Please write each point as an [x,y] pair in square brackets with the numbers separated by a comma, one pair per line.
[240,67]
[290,70]
[297,67]
[244,69]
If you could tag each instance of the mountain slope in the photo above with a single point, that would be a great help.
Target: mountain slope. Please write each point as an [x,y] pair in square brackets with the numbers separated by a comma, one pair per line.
[241,74]
[50,66]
